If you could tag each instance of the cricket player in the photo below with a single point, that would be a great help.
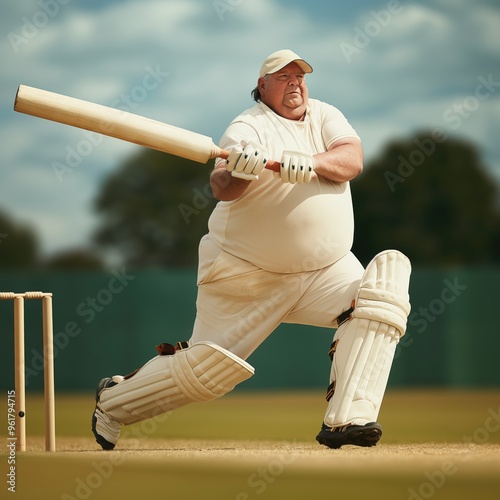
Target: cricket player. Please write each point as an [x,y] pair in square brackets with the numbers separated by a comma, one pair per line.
[278,250]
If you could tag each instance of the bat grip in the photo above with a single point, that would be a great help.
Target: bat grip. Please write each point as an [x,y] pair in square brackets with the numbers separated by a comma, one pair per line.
[223,153]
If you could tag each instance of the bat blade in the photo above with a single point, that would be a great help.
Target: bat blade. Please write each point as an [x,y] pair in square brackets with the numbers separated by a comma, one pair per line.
[115,123]
[119,124]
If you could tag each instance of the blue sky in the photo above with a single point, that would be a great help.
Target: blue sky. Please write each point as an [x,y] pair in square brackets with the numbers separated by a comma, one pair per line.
[393,67]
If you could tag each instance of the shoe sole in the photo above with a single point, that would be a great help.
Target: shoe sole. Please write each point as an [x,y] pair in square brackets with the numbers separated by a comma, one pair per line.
[362,436]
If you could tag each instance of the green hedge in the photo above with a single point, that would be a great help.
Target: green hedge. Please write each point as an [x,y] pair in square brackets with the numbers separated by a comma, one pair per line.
[108,323]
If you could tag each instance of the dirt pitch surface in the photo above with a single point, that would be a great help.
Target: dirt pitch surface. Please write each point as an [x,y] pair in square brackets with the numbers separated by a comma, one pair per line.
[245,470]
[473,457]
[436,444]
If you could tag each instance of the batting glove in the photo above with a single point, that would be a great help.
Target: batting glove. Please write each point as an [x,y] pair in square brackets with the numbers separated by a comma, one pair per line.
[247,163]
[296,167]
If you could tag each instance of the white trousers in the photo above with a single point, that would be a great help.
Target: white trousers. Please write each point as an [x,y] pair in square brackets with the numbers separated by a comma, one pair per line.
[239,305]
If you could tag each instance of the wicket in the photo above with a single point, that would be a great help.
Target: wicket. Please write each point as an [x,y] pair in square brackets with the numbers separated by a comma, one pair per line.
[20,368]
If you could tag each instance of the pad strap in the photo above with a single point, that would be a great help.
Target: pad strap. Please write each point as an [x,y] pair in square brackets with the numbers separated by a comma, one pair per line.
[165,349]
[330,391]
[345,316]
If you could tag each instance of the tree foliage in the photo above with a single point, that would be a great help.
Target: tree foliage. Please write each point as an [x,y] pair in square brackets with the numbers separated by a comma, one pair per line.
[74,259]
[155,209]
[431,199]
[18,244]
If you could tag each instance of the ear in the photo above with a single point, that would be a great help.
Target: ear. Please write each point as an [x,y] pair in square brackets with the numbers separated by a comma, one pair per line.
[261,84]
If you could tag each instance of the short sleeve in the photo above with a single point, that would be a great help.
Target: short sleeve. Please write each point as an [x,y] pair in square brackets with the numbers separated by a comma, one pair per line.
[235,133]
[334,125]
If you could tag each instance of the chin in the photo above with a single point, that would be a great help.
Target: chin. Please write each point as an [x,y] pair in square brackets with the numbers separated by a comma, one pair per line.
[296,111]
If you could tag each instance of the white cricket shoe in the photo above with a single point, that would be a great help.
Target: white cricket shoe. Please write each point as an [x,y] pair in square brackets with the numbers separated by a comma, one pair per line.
[106,429]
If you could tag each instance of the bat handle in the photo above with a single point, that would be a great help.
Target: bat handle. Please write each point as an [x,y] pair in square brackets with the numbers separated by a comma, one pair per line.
[223,153]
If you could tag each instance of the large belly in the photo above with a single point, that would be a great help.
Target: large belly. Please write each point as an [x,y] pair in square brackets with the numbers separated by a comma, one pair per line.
[306,229]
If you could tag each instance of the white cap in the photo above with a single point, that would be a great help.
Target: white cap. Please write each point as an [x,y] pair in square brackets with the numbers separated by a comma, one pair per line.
[278,60]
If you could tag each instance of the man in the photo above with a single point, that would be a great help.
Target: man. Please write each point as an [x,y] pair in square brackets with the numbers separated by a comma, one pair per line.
[278,251]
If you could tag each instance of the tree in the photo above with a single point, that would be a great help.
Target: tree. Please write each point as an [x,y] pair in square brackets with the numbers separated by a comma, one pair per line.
[18,244]
[432,199]
[155,209]
[75,259]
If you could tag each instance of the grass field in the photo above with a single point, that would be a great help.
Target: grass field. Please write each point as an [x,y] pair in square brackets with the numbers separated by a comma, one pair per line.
[436,444]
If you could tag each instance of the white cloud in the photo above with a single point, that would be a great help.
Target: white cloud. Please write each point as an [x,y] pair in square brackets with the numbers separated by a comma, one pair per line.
[426,58]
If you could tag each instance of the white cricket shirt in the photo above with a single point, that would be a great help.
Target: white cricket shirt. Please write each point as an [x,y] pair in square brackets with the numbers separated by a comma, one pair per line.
[282,227]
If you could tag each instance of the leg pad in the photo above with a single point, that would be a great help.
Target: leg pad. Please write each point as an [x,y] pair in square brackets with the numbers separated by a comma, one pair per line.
[201,372]
[364,346]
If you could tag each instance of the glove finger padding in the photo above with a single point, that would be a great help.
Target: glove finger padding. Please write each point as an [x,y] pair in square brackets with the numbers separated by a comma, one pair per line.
[232,159]
[296,167]
[248,163]
[306,170]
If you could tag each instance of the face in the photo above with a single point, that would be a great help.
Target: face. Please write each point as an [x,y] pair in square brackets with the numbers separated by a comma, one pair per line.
[285,91]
